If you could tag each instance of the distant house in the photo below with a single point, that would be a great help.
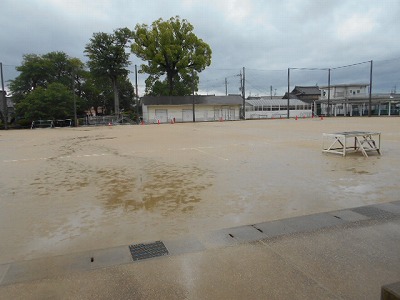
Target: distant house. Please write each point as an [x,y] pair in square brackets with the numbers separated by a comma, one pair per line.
[305,93]
[164,109]
[9,106]
[344,90]
[353,100]
[308,94]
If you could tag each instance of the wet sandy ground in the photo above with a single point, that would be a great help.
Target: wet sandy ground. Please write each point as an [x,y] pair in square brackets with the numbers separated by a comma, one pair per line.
[76,189]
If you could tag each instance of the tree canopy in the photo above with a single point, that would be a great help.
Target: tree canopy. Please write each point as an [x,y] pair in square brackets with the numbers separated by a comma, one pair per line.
[42,70]
[48,83]
[171,49]
[42,77]
[108,58]
[53,102]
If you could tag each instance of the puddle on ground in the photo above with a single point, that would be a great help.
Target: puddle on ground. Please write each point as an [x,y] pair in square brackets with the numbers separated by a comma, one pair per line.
[162,187]
[355,171]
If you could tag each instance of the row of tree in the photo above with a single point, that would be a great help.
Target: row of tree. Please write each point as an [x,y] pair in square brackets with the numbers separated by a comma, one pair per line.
[53,85]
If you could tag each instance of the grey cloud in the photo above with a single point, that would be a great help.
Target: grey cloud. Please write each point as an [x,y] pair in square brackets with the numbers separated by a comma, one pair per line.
[274,35]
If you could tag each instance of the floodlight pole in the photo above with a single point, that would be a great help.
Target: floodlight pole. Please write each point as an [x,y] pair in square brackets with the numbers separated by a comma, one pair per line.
[288,91]
[370,91]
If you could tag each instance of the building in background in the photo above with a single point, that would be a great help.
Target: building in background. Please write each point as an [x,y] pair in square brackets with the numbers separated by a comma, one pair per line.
[353,100]
[276,107]
[6,107]
[166,109]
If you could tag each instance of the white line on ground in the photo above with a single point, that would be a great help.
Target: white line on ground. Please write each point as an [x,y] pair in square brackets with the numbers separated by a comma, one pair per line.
[198,149]
[54,157]
[217,156]
[201,151]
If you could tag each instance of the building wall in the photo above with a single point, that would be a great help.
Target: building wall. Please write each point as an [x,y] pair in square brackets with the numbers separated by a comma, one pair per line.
[384,108]
[344,91]
[184,113]
[276,112]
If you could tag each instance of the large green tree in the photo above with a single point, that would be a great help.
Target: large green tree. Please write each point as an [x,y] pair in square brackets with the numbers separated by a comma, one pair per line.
[108,58]
[53,102]
[171,49]
[98,94]
[42,70]
[37,74]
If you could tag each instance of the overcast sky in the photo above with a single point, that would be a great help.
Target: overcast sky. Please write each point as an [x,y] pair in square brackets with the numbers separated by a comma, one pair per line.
[265,36]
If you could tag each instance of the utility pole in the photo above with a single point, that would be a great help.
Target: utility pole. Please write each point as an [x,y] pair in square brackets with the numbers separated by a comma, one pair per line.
[226,86]
[3,97]
[270,91]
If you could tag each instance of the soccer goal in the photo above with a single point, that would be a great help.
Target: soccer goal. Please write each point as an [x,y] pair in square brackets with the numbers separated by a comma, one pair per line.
[42,124]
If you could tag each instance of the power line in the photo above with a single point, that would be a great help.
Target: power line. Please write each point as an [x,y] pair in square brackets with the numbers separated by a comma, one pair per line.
[352,65]
[267,70]
[254,87]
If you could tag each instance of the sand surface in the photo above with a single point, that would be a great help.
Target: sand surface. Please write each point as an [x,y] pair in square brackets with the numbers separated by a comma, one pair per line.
[67,190]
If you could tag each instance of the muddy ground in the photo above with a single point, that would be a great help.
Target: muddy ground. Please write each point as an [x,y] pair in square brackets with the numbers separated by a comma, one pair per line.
[67,190]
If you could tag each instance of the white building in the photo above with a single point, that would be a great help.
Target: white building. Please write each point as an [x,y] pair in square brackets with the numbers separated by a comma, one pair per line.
[344,90]
[164,109]
[353,100]
[276,107]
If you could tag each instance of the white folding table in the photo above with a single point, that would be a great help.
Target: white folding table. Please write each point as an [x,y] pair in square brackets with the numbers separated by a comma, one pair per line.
[351,141]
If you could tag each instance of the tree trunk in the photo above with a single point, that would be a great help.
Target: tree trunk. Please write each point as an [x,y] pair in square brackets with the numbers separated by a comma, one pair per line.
[170,77]
[116,97]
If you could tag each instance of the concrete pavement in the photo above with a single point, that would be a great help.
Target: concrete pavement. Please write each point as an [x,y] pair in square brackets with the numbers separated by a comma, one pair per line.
[346,254]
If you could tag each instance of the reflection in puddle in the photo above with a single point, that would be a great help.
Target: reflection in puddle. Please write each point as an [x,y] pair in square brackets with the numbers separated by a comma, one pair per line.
[162,187]
[355,171]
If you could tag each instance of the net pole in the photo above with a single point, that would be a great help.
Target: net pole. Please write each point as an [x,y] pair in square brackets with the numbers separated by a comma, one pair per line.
[288,91]
[370,91]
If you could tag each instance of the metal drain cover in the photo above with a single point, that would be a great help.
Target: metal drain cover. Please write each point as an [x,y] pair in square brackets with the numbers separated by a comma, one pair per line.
[374,213]
[144,251]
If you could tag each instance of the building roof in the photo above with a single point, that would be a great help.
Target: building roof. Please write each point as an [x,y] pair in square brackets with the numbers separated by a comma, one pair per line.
[306,90]
[275,102]
[198,99]
[345,85]
[263,97]
[292,96]
[363,98]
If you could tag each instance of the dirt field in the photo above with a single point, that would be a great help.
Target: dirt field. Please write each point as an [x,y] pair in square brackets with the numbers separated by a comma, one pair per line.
[75,189]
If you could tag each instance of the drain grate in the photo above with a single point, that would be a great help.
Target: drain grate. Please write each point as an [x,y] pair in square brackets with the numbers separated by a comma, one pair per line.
[374,213]
[145,251]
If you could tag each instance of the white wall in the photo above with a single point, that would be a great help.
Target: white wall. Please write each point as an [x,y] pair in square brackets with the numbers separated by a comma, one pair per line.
[344,91]
[277,114]
[184,113]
